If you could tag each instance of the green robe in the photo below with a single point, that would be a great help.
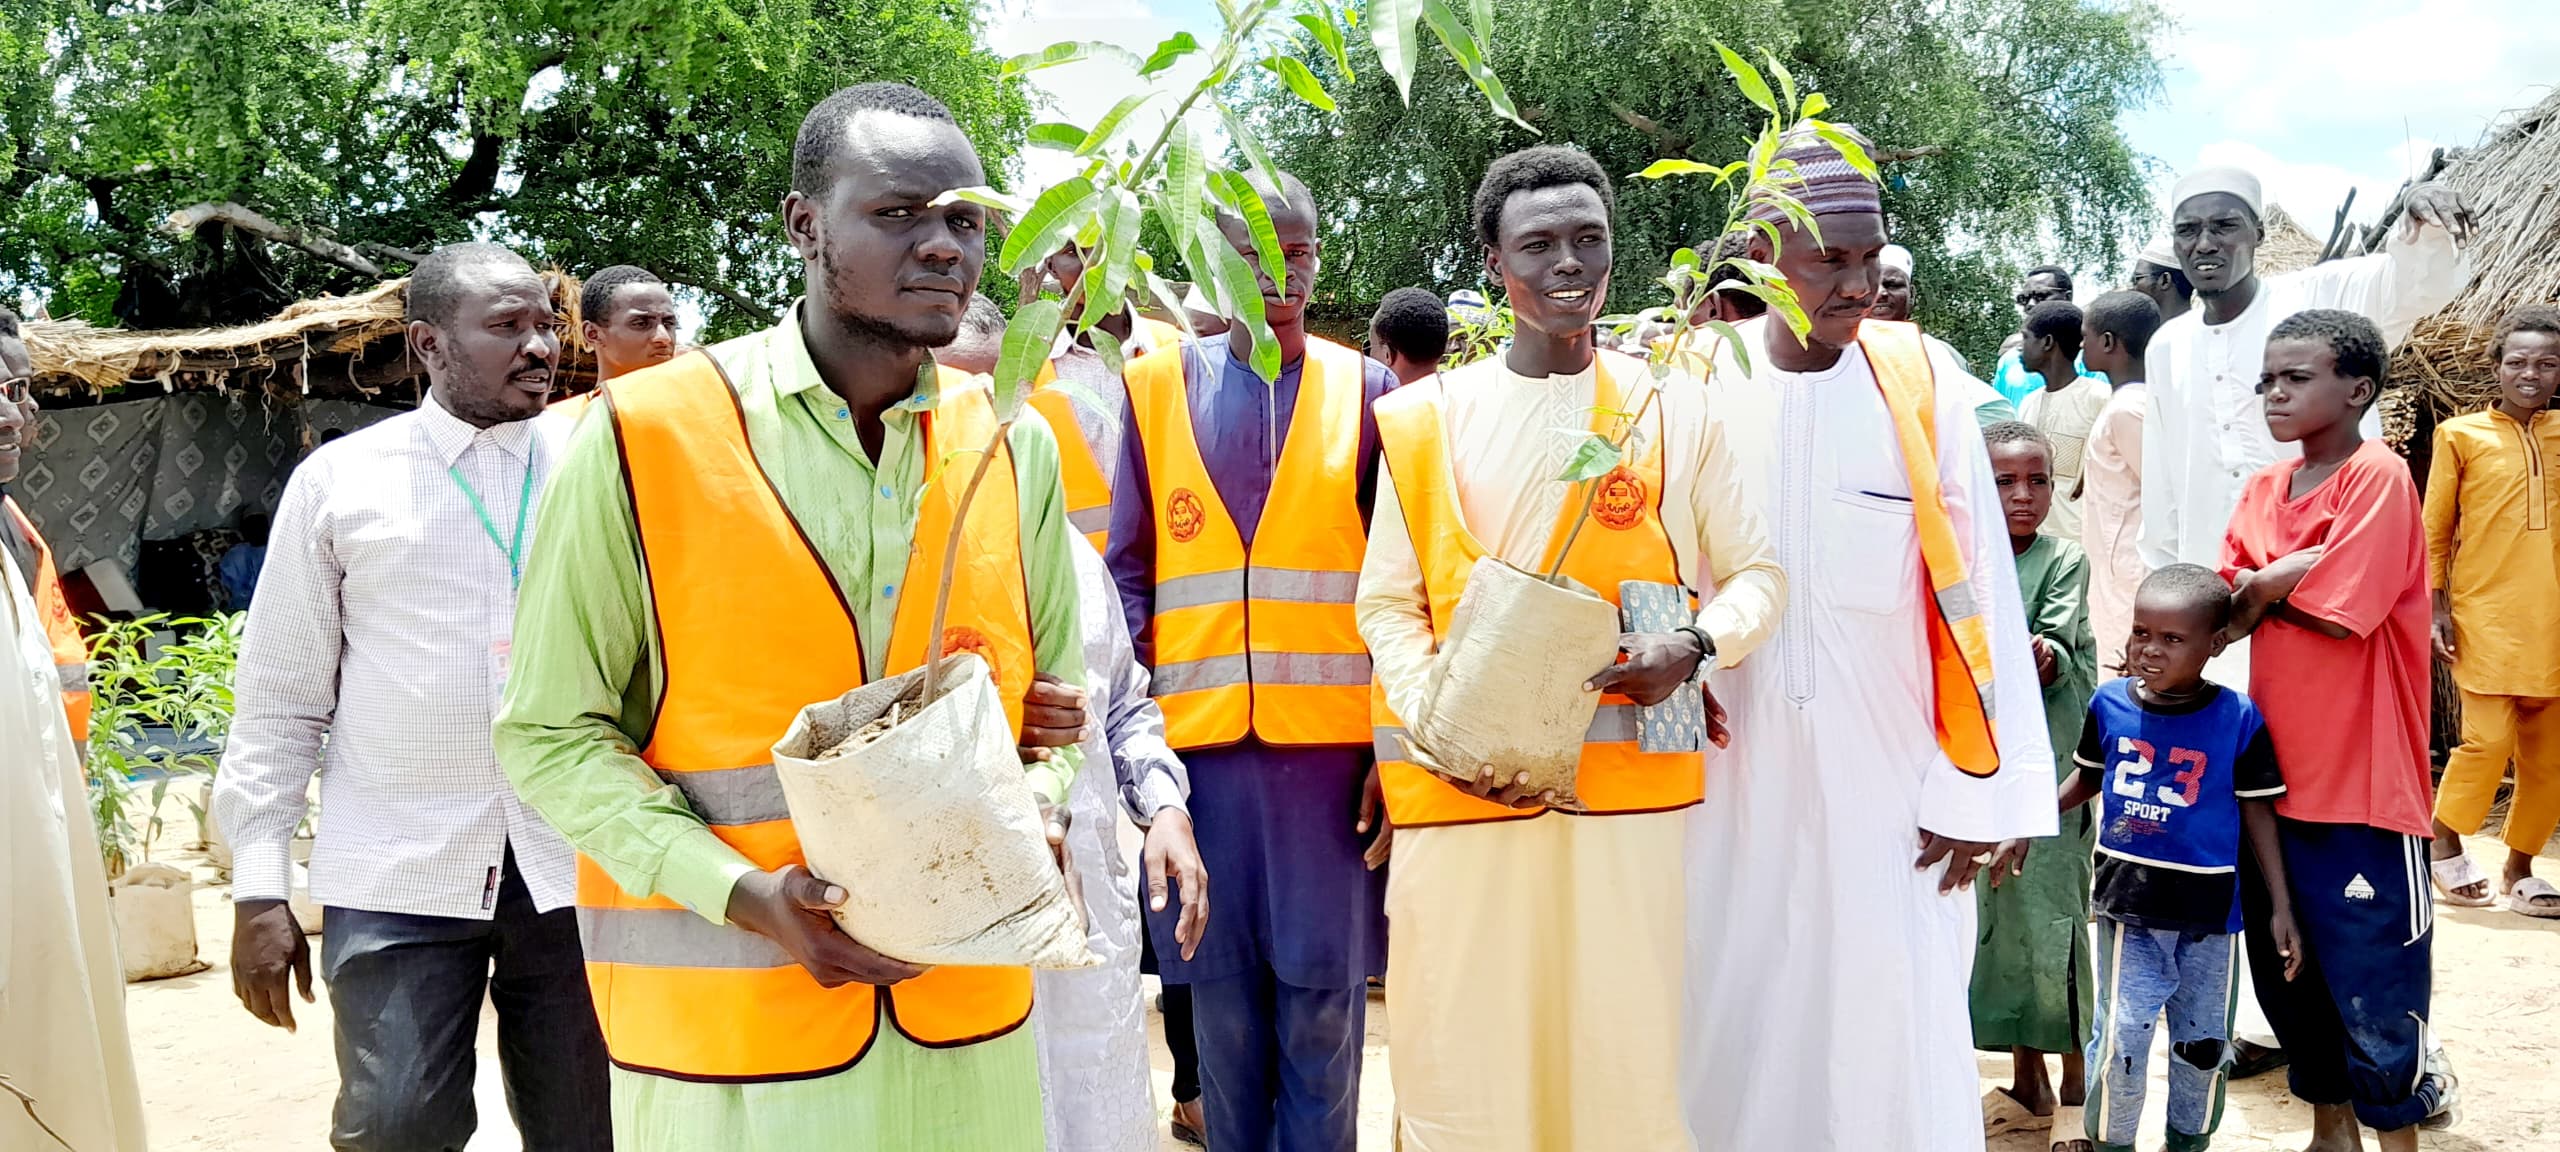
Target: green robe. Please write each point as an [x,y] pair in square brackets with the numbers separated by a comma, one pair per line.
[2031,976]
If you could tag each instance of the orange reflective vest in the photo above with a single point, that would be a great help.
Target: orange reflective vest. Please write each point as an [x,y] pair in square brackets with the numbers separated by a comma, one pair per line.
[1625,540]
[1258,640]
[1087,477]
[70,648]
[751,628]
[1959,638]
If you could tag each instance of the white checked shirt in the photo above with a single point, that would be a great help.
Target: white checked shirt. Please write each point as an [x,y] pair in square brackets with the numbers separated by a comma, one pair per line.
[381,622]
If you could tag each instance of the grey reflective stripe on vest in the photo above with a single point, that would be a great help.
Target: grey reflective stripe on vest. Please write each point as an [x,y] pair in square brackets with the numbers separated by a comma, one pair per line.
[1956,603]
[1199,675]
[1612,724]
[1317,669]
[731,796]
[1091,520]
[1284,585]
[75,677]
[672,938]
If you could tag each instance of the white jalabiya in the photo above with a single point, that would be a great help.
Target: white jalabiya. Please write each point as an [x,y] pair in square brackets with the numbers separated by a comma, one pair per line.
[1827,978]
[1091,1024]
[62,1022]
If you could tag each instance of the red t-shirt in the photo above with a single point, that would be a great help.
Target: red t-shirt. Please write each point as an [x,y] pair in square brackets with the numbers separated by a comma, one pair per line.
[2349,717]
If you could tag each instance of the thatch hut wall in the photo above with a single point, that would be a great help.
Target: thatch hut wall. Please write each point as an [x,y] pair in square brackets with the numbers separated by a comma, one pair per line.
[2512,180]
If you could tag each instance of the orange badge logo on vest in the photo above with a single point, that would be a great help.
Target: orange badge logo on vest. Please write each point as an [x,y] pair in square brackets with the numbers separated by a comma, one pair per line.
[1621,500]
[962,638]
[1184,516]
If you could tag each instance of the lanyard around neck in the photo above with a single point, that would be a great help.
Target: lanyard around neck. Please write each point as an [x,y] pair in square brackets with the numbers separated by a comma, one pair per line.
[514,548]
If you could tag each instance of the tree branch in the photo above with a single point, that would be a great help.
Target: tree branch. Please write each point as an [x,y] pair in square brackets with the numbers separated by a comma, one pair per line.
[736,299]
[186,220]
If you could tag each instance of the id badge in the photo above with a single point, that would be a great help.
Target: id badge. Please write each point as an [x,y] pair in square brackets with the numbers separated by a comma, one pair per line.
[501,661]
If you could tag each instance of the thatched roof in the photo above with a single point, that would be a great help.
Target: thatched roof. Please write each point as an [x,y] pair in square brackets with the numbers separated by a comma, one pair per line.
[333,345]
[2512,180]
[71,356]
[2288,248]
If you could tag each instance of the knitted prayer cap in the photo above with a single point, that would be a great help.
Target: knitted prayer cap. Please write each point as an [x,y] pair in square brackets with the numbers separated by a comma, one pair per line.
[2159,253]
[1895,256]
[2205,181]
[1823,180]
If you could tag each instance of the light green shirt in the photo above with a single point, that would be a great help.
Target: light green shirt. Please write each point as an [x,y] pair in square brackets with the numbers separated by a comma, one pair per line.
[587,670]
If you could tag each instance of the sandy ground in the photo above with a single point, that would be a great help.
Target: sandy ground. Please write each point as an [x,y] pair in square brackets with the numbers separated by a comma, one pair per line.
[214,1078]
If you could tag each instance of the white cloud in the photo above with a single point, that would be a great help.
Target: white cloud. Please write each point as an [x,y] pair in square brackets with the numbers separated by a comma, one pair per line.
[2317,96]
[1083,93]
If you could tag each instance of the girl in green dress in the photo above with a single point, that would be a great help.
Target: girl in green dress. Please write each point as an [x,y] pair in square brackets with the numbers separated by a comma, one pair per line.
[2031,984]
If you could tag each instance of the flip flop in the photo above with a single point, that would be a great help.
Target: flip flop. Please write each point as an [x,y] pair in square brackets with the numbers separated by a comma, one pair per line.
[2536,897]
[2002,1114]
[2458,871]
[2070,1130]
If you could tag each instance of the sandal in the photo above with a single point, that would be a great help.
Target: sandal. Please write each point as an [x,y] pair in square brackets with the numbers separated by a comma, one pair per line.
[2456,872]
[2536,897]
[2071,1130]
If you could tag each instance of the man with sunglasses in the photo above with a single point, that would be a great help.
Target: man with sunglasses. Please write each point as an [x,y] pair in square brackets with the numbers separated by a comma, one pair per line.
[2156,274]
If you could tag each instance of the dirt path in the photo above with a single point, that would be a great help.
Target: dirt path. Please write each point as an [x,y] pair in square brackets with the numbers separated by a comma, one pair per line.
[215,1079]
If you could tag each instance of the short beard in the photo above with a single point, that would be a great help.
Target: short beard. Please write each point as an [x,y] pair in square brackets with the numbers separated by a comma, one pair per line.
[872,329]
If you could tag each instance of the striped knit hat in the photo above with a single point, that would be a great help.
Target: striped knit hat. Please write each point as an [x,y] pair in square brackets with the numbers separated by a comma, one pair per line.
[1823,180]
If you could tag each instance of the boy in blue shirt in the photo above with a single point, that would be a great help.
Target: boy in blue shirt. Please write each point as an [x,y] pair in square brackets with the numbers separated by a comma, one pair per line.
[2183,767]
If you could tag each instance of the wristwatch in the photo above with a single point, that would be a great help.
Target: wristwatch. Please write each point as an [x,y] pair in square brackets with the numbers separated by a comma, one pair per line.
[1706,649]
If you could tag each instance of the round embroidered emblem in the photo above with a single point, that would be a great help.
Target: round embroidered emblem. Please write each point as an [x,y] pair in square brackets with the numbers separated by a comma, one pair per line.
[962,638]
[1620,504]
[1184,515]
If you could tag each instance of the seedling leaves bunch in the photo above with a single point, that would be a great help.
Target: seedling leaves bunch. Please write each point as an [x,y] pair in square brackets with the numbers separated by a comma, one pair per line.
[1176,181]
[1760,177]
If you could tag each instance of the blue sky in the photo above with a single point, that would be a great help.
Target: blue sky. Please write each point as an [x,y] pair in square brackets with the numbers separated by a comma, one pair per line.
[2315,95]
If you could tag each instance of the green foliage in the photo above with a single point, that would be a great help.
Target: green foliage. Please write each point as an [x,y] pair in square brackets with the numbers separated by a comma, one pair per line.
[653,132]
[1995,123]
[184,686]
[1471,340]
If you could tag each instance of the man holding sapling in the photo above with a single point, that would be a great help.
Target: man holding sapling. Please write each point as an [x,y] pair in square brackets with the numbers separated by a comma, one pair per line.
[1238,517]
[748,530]
[1830,933]
[1537,952]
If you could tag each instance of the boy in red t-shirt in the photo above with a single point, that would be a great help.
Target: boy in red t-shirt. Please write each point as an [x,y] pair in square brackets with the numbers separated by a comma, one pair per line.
[2330,564]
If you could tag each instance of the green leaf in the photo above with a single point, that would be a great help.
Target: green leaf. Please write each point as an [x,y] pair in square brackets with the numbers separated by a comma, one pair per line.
[1732,340]
[1592,460]
[1685,258]
[1814,105]
[1114,358]
[1301,82]
[1326,34]
[1850,149]
[1108,229]
[1109,127]
[1391,31]
[1120,247]
[1469,53]
[1747,78]
[1174,47]
[1786,79]
[1186,178]
[1165,297]
[1064,137]
[1053,218]
[1660,169]
[1238,193]
[1028,338]
[1480,17]
[1243,304]
[983,197]
[1246,142]
[1069,52]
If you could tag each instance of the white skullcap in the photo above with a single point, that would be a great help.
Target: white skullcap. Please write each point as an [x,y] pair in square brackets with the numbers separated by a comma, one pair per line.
[1895,256]
[2159,253]
[1193,301]
[2206,181]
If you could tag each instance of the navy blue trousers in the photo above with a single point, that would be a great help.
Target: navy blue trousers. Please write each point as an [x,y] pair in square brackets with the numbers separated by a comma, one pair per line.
[406,992]
[1279,1065]
[2355,1020]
